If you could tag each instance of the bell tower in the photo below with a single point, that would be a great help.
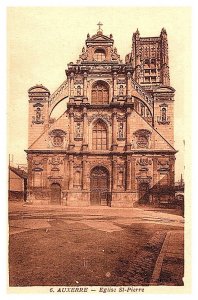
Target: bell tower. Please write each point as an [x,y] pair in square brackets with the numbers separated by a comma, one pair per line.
[38,112]
[150,61]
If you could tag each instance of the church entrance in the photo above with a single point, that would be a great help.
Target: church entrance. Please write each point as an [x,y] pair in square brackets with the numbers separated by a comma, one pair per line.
[99,187]
[144,193]
[55,193]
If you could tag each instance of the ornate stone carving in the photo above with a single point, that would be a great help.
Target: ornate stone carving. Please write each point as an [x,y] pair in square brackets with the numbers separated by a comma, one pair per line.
[121,131]
[114,54]
[163,164]
[78,118]
[55,132]
[56,160]
[142,138]
[144,161]
[78,131]
[121,118]
[38,118]
[84,54]
[104,117]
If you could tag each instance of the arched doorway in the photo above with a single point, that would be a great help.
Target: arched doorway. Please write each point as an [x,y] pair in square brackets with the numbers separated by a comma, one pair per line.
[99,187]
[55,193]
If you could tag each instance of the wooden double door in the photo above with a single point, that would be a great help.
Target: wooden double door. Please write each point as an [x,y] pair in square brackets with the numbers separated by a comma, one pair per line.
[99,187]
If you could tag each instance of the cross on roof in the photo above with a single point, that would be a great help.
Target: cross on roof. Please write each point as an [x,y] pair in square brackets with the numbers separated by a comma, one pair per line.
[99,26]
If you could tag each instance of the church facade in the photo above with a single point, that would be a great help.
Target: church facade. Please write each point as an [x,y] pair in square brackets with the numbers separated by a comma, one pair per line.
[114,144]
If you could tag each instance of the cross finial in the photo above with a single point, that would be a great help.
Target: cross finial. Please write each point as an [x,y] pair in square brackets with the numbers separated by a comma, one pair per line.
[99,26]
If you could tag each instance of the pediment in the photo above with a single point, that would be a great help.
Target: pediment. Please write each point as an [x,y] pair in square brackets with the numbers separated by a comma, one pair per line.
[165,89]
[38,88]
[99,38]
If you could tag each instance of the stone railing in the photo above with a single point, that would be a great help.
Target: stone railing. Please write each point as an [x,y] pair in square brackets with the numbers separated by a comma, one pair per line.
[61,92]
[147,98]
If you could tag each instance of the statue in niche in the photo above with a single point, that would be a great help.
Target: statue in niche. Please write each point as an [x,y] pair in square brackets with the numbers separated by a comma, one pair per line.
[120,131]
[38,114]
[163,114]
[142,110]
[78,90]
[78,131]
[121,90]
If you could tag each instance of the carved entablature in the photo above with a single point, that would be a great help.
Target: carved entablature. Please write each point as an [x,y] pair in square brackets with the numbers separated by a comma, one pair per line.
[142,138]
[55,160]
[163,105]
[101,163]
[146,179]
[144,161]
[103,117]
[100,68]
[54,179]
[55,132]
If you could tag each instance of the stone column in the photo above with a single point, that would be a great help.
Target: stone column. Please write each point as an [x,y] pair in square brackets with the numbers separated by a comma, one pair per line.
[84,173]
[155,173]
[45,172]
[133,179]
[85,129]
[128,86]
[128,132]
[115,92]
[128,173]
[114,173]
[114,130]
[71,162]
[72,84]
[30,177]
[85,87]
[66,173]
[172,170]
[71,133]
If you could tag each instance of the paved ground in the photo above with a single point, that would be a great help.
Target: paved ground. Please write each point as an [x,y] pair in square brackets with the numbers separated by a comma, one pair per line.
[53,245]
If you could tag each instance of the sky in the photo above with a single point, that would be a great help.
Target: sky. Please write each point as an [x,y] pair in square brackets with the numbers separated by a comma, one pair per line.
[41,41]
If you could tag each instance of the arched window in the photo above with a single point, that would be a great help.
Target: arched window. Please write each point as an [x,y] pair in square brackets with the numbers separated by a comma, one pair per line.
[99,136]
[99,55]
[100,93]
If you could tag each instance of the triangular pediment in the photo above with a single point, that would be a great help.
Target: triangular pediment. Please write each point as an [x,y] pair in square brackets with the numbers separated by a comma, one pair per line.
[99,38]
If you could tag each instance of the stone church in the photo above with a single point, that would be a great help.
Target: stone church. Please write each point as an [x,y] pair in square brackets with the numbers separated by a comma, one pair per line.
[114,144]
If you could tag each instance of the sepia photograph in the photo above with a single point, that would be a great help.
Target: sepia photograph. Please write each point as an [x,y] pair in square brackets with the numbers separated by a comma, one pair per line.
[97,126]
